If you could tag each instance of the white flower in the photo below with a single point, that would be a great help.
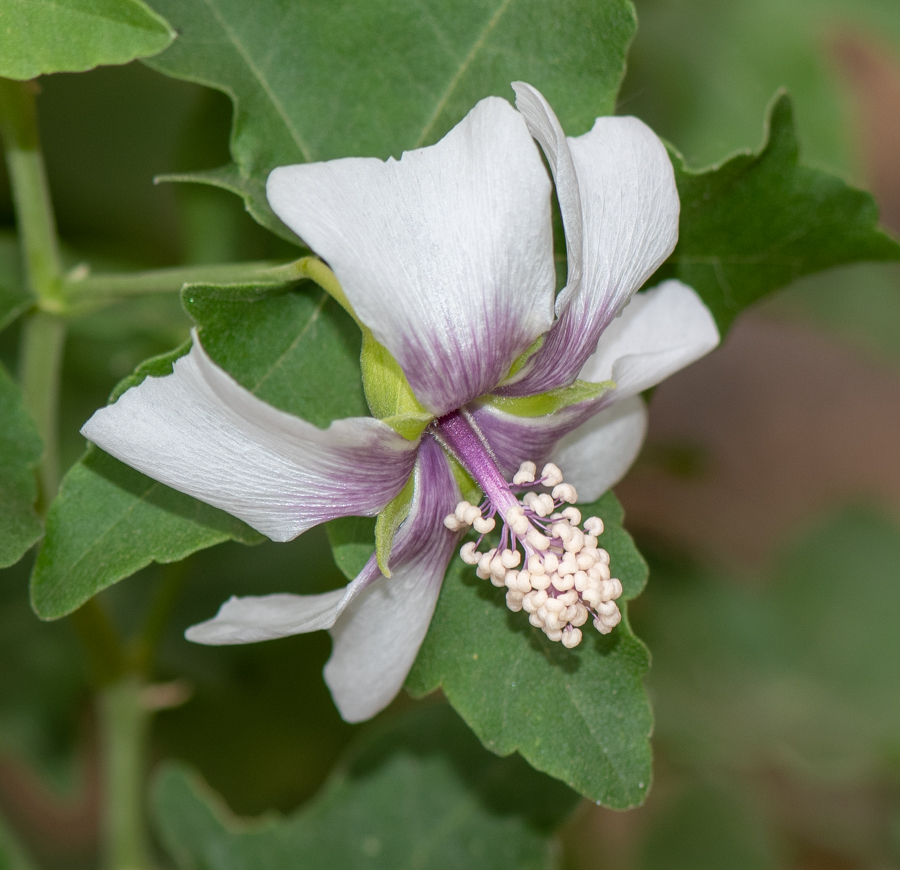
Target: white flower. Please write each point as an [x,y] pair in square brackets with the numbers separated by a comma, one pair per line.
[446,256]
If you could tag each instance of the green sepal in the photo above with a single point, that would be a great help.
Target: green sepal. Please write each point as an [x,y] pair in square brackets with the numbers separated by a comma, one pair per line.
[520,361]
[388,391]
[551,401]
[389,520]
[411,425]
[468,489]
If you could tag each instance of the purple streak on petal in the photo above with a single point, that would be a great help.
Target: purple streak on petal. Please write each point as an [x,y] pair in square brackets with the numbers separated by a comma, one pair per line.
[515,440]
[446,255]
[377,638]
[201,432]
[619,203]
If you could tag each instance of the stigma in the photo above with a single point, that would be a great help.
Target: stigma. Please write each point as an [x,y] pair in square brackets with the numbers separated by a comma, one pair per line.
[549,561]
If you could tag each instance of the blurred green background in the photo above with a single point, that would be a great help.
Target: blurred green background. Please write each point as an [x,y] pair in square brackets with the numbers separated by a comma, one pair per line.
[767,498]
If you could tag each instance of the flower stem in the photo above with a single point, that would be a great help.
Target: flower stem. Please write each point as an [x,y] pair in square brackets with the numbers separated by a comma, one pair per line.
[125,732]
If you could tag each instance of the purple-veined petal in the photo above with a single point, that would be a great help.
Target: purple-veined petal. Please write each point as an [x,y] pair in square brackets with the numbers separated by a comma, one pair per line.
[619,204]
[446,255]
[596,455]
[377,638]
[661,331]
[199,431]
[516,439]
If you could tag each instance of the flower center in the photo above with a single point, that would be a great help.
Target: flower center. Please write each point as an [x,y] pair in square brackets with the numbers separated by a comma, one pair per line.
[564,579]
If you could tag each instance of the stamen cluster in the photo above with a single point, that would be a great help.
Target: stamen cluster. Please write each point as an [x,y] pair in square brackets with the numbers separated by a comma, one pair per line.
[565,579]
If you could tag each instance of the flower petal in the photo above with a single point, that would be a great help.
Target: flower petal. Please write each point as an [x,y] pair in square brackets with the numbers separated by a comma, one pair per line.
[619,204]
[516,439]
[660,332]
[377,638]
[596,455]
[446,255]
[264,617]
[199,431]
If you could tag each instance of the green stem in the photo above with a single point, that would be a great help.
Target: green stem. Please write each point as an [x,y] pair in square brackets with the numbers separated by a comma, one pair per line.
[123,284]
[40,361]
[44,333]
[125,727]
[31,193]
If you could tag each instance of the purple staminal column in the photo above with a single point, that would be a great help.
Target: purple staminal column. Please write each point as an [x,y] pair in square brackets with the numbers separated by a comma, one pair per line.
[565,579]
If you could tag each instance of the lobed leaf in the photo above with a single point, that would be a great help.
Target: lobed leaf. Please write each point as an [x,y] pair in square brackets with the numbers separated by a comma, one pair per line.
[296,349]
[759,221]
[423,794]
[579,715]
[20,453]
[316,81]
[48,36]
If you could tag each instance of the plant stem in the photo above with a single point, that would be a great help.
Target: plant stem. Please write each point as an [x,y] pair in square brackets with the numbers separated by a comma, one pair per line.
[125,732]
[123,284]
[40,361]
[44,333]
[31,193]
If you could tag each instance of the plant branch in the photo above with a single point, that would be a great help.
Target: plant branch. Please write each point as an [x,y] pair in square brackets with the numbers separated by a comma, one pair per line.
[31,194]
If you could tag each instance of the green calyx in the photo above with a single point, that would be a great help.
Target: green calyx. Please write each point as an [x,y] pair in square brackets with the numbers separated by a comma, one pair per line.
[551,401]
[388,392]
[389,520]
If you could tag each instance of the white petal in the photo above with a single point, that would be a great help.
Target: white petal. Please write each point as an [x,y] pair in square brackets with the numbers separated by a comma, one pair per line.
[619,204]
[377,638]
[598,453]
[264,617]
[446,255]
[660,332]
[200,432]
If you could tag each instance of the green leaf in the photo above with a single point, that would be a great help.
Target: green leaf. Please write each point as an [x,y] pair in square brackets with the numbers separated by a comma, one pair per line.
[352,542]
[48,36]
[375,77]
[580,715]
[760,221]
[423,794]
[109,520]
[20,452]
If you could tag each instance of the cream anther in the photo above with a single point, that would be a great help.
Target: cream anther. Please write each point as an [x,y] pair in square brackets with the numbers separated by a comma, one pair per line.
[564,582]
[593,526]
[525,474]
[511,558]
[472,513]
[537,540]
[461,509]
[551,562]
[571,638]
[563,531]
[469,554]
[452,523]
[543,505]
[573,515]
[566,492]
[483,526]
[551,475]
